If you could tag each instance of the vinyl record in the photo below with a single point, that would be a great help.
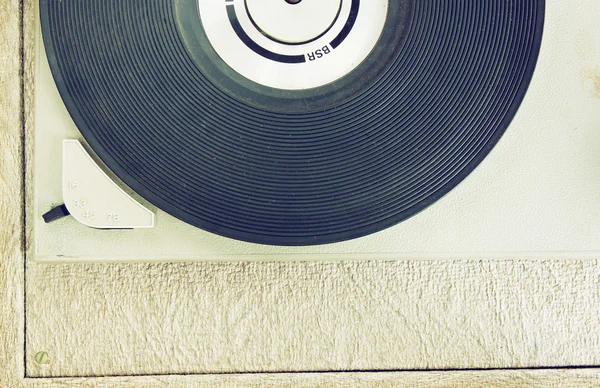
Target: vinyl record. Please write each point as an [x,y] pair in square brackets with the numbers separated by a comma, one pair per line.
[292,122]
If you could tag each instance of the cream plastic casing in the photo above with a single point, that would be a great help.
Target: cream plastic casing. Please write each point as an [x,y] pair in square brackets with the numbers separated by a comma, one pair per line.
[536,195]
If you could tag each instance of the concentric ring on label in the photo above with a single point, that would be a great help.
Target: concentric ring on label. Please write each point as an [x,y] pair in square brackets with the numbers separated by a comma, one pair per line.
[293,23]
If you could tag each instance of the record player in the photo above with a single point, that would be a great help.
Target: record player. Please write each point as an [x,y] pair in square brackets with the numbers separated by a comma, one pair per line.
[315,130]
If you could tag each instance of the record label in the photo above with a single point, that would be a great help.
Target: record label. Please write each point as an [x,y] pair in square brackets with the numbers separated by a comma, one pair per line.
[293,46]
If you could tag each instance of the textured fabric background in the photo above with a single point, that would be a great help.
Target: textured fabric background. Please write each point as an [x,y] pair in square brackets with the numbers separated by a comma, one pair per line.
[107,320]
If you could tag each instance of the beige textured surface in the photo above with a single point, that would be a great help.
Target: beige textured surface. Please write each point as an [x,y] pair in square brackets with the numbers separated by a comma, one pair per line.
[489,379]
[198,318]
[11,198]
[132,319]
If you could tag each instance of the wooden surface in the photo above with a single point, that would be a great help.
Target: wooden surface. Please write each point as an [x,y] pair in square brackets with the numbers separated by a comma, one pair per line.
[99,320]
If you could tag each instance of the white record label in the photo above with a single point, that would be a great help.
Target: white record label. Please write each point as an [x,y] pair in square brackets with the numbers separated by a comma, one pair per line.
[291,44]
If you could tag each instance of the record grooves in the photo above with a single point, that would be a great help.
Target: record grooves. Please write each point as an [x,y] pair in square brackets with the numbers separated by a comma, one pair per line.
[322,165]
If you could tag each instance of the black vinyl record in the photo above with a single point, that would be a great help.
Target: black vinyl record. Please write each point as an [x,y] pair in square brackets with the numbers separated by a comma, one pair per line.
[178,125]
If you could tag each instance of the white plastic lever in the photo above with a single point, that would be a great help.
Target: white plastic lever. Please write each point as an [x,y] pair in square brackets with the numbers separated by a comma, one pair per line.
[93,198]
